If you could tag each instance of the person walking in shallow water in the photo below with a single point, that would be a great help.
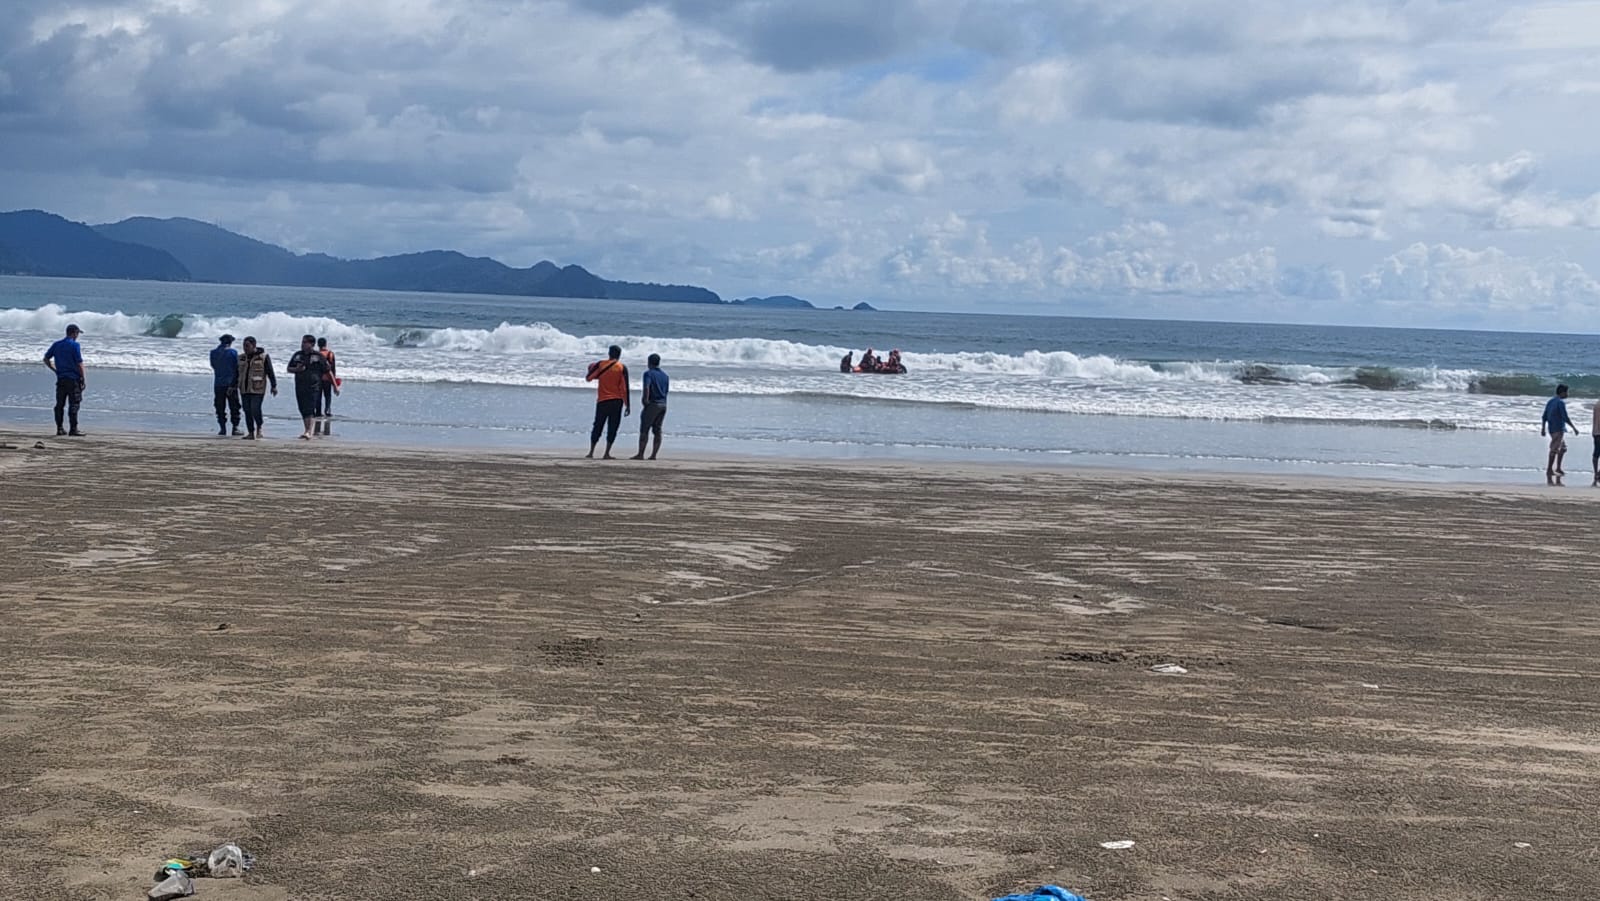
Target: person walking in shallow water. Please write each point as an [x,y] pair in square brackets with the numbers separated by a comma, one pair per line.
[1555,423]
[330,381]
[225,383]
[1594,430]
[653,398]
[65,359]
[255,377]
[308,368]
[611,399]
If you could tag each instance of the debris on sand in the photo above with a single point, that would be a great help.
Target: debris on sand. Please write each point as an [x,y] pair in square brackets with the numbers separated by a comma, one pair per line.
[176,885]
[175,878]
[1169,669]
[1121,844]
[1045,893]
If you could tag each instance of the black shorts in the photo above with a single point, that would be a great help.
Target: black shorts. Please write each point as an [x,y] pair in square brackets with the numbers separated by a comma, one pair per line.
[306,397]
[650,418]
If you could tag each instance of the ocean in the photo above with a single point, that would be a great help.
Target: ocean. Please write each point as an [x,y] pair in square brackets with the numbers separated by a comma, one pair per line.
[507,372]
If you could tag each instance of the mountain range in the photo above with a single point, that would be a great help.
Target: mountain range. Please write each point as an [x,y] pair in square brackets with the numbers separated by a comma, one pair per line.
[34,242]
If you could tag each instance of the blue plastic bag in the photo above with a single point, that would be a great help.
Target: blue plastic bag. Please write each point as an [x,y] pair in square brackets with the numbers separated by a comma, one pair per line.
[1045,893]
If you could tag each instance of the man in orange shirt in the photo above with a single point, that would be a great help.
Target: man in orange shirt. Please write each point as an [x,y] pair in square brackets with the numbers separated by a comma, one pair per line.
[612,403]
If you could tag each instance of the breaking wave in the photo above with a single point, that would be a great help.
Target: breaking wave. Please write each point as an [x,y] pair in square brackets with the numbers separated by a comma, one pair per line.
[390,348]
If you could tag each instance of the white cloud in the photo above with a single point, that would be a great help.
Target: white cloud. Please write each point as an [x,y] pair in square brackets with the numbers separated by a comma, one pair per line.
[1444,277]
[958,152]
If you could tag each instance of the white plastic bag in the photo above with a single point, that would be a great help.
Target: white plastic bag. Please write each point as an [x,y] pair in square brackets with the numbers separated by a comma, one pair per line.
[227,861]
[178,885]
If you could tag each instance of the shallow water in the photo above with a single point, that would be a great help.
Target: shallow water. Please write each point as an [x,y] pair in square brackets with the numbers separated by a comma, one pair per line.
[505,372]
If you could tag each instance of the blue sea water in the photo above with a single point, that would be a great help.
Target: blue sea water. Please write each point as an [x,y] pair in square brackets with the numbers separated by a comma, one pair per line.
[504,372]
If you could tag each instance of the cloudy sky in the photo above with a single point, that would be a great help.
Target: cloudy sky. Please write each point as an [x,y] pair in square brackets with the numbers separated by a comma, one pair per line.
[1424,162]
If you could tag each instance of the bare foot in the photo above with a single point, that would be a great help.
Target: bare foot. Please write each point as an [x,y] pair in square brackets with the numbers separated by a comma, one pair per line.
[589,455]
[637,457]
[305,436]
[607,457]
[652,456]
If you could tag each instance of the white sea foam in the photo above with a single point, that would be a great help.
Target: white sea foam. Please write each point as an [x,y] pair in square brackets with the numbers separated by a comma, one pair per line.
[540,355]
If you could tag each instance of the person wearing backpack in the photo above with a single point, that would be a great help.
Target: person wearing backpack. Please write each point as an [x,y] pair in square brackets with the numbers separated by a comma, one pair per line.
[255,378]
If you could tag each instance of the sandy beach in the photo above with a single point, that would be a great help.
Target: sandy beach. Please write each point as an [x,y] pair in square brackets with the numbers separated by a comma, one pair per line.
[403,675]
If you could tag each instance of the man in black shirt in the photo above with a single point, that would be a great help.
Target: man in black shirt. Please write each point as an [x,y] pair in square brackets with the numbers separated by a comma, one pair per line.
[309,368]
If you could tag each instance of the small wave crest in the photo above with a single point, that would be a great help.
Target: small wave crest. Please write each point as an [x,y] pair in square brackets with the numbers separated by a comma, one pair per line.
[52,319]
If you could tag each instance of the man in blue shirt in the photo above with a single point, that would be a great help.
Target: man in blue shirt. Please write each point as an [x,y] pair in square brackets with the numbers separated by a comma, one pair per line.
[654,397]
[225,384]
[65,359]
[1555,423]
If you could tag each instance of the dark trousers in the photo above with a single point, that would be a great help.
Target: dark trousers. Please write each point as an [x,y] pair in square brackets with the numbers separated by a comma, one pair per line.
[650,419]
[607,418]
[69,395]
[325,399]
[252,412]
[226,401]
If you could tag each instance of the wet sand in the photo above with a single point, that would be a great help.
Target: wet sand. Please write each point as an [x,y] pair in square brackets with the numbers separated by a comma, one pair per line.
[381,671]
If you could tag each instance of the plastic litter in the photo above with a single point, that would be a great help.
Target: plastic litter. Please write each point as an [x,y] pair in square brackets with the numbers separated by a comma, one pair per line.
[1168,669]
[187,866]
[1520,845]
[1122,844]
[176,885]
[1045,893]
[228,861]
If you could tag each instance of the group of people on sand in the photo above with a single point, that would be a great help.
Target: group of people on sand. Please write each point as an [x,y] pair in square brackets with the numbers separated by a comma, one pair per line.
[241,382]
[614,400]
[871,362]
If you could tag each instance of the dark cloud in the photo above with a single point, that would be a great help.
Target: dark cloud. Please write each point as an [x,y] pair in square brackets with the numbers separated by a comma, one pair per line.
[803,35]
[1225,92]
[1052,183]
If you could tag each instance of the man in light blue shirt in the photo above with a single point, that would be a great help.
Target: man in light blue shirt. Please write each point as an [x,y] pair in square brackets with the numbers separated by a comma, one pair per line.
[654,397]
[1555,423]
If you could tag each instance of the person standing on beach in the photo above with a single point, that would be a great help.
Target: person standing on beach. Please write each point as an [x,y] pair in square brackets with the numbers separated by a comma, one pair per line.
[653,396]
[308,368]
[1594,429]
[65,359]
[1555,422]
[330,382]
[255,376]
[225,383]
[611,401]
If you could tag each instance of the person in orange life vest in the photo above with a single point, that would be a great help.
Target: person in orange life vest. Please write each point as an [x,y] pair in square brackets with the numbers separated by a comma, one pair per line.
[330,380]
[611,401]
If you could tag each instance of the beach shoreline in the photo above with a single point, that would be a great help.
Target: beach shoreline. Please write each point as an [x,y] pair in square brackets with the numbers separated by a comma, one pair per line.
[477,674]
[283,437]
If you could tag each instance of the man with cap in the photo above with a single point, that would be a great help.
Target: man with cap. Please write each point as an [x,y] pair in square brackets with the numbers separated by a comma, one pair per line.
[225,384]
[65,359]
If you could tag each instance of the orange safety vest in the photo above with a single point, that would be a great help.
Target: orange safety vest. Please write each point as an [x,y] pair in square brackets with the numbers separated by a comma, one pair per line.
[613,378]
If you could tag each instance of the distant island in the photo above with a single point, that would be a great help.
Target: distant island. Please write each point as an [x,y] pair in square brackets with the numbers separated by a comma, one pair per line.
[34,242]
